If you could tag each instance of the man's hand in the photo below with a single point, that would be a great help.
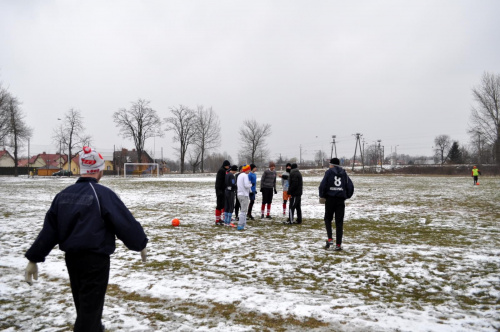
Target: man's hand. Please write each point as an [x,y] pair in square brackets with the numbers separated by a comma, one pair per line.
[144,254]
[322,200]
[30,272]
[275,191]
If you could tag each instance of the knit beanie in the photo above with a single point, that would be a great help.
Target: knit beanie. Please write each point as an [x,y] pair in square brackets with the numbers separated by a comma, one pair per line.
[226,163]
[91,161]
[246,168]
[294,166]
[335,161]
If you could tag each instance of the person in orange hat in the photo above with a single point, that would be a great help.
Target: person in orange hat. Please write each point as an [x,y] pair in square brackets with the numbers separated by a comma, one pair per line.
[475,174]
[244,189]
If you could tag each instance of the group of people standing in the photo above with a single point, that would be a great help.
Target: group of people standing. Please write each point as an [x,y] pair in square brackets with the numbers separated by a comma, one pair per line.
[236,190]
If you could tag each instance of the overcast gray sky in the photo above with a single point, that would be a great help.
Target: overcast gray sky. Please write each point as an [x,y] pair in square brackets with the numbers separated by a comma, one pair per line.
[398,71]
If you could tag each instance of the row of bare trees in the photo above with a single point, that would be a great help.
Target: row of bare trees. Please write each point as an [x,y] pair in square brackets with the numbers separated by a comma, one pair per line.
[484,126]
[14,131]
[197,132]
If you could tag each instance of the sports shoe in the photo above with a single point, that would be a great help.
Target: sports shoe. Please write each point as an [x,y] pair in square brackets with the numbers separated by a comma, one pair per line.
[268,217]
[261,216]
[250,217]
[329,242]
[338,247]
[237,218]
[240,228]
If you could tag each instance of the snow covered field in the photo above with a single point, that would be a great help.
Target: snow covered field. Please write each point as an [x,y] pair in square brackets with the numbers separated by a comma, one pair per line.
[421,254]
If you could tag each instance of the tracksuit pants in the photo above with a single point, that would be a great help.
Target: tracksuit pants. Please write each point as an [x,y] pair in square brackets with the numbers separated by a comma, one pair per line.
[88,275]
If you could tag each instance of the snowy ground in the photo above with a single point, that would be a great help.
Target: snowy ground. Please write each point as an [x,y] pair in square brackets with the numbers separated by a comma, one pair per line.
[421,254]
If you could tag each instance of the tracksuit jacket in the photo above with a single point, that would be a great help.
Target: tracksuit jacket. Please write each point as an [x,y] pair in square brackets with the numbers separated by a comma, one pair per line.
[86,217]
[336,183]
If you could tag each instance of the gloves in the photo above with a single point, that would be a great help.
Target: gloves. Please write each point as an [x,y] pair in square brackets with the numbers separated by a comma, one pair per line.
[322,200]
[275,192]
[30,272]
[144,254]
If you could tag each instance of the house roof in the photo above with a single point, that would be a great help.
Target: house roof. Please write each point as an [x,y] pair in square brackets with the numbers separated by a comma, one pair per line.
[52,159]
[5,153]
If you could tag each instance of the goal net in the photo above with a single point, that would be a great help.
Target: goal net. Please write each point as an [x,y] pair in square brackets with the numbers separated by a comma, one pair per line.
[141,170]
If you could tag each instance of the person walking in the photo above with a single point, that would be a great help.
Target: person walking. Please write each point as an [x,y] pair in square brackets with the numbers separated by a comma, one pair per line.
[244,188]
[230,195]
[295,191]
[84,220]
[220,187]
[267,186]
[475,174]
[334,189]
[253,179]
[284,185]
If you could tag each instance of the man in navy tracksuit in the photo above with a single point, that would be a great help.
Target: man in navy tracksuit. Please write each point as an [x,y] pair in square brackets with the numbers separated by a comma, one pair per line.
[334,189]
[83,220]
[220,189]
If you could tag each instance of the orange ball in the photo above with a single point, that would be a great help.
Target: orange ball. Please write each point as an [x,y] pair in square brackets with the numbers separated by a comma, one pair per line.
[175,222]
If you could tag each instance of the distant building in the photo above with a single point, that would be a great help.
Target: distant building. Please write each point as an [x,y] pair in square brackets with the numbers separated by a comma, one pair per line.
[56,160]
[6,159]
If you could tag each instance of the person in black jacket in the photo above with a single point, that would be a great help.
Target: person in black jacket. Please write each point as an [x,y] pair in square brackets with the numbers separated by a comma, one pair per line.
[230,194]
[295,191]
[334,189]
[220,187]
[83,220]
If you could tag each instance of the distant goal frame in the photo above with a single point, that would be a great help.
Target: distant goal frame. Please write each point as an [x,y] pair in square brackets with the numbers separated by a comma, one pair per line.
[141,164]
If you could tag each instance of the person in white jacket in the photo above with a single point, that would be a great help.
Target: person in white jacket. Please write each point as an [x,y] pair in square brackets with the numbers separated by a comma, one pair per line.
[244,188]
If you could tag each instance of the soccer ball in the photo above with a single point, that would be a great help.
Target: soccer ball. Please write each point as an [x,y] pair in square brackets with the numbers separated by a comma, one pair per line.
[175,222]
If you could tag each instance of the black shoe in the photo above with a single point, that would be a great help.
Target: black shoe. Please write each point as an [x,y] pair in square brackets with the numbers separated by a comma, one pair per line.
[237,218]
[298,222]
[328,244]
[250,217]
[268,217]
[261,216]
[338,247]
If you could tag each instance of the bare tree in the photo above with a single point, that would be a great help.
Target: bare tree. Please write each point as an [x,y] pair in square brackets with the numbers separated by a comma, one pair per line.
[207,132]
[70,134]
[183,124]
[485,115]
[140,122]
[194,159]
[442,146]
[253,139]
[18,132]
[4,115]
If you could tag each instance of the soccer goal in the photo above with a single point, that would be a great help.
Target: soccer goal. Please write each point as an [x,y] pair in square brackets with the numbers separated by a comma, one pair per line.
[141,170]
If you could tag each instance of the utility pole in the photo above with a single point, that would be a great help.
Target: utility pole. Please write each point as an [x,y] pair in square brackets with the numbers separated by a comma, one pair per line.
[358,135]
[333,145]
[379,154]
[300,155]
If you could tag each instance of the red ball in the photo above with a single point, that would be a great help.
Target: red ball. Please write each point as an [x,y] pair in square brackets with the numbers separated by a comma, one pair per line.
[176,222]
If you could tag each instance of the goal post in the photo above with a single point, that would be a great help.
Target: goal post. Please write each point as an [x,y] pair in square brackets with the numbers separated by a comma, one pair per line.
[141,169]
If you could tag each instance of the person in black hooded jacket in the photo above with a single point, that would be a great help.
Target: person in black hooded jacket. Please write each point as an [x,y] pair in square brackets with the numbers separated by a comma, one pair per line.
[295,191]
[220,189]
[334,189]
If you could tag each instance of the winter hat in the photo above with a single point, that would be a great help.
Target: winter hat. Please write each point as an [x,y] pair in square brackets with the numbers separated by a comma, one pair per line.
[91,161]
[252,166]
[246,168]
[234,168]
[294,166]
[335,161]
[288,164]
[272,164]
[226,163]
